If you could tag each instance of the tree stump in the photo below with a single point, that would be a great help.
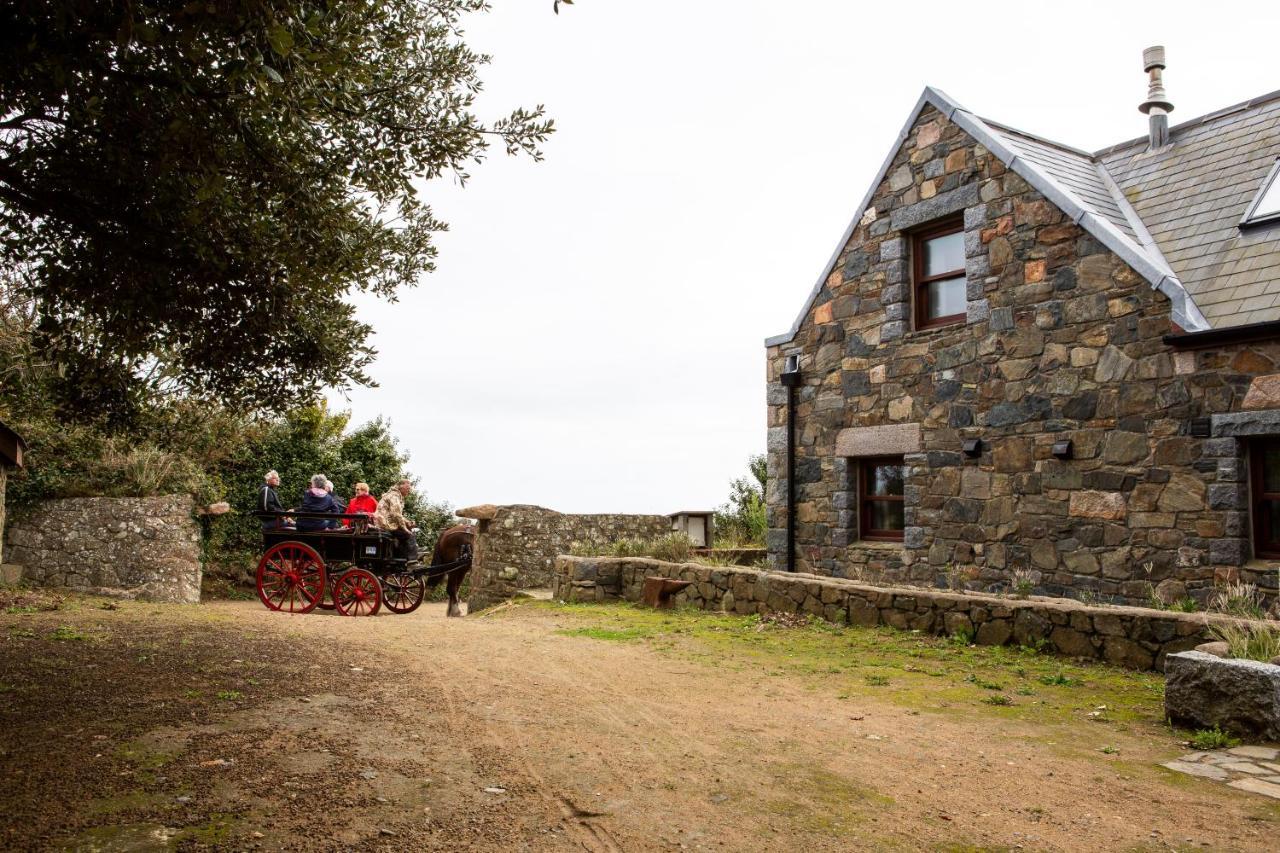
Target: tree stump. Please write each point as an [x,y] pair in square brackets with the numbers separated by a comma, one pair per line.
[657,591]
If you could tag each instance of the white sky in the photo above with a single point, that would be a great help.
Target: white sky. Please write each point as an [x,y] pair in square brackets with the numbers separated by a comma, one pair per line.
[592,340]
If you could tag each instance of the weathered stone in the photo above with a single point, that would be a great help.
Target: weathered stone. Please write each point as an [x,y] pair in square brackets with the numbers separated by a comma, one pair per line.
[994,633]
[1124,448]
[1012,455]
[1264,393]
[1242,696]
[1217,648]
[1183,493]
[1171,591]
[1108,505]
[888,440]
[1113,365]
[141,548]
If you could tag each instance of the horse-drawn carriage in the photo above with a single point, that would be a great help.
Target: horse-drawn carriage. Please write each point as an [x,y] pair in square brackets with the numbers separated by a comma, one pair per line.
[355,569]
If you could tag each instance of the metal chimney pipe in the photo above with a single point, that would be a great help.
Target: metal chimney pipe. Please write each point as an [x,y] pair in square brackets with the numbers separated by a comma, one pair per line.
[1156,107]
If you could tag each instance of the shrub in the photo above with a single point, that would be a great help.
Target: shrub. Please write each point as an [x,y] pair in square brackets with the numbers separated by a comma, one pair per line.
[1249,640]
[1214,738]
[1238,599]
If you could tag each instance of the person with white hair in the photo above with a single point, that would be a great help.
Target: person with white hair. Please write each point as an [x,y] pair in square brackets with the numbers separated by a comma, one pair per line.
[317,499]
[269,501]
[341,502]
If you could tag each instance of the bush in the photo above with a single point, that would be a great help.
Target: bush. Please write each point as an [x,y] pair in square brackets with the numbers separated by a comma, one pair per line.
[672,548]
[1214,738]
[1249,640]
[1238,599]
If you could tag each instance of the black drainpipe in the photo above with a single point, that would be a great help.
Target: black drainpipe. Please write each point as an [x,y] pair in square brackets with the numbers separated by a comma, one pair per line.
[791,380]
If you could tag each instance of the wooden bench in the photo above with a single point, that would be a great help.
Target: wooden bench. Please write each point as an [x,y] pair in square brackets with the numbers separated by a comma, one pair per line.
[657,591]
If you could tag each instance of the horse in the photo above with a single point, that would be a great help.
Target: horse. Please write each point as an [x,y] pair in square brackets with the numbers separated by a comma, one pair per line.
[453,544]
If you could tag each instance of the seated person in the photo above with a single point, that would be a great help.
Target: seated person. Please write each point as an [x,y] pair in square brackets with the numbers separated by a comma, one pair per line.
[391,518]
[363,503]
[316,499]
[269,501]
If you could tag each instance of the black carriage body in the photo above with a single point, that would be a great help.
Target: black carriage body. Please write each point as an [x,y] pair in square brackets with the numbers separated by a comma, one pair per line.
[370,549]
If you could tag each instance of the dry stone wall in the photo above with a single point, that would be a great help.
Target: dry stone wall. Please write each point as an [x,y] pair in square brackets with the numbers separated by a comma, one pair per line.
[1134,637]
[1062,341]
[144,548]
[516,545]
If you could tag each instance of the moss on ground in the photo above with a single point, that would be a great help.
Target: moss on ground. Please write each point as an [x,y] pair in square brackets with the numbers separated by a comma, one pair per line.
[918,671]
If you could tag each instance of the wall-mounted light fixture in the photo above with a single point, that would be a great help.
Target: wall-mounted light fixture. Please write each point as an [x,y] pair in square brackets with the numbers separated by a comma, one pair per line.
[791,371]
[972,447]
[1063,449]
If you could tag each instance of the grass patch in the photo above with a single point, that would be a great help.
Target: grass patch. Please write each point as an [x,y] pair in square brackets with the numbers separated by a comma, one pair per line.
[65,633]
[918,671]
[230,695]
[1249,640]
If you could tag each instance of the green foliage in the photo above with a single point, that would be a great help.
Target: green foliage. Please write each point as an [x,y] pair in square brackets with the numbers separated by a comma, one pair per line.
[1214,738]
[1238,599]
[672,548]
[305,441]
[742,521]
[1249,640]
[196,189]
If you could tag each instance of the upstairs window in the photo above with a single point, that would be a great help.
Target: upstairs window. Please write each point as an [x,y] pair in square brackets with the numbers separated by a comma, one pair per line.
[938,256]
[1265,206]
[881,498]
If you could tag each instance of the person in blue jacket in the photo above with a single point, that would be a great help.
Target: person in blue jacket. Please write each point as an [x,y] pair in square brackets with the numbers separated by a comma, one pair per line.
[317,499]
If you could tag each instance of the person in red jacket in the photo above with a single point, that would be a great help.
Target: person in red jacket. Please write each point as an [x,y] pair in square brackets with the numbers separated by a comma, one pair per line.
[363,502]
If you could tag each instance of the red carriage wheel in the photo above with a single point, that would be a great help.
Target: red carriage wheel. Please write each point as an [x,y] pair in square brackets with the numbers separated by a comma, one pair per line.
[403,592]
[291,577]
[357,593]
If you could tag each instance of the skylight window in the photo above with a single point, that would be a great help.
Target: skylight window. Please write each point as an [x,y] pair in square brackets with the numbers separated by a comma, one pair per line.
[1266,204]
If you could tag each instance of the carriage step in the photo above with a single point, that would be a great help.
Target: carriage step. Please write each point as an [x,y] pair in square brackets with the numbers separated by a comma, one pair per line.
[657,591]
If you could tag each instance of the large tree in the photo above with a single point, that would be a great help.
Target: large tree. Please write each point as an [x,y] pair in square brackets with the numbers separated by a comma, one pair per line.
[191,191]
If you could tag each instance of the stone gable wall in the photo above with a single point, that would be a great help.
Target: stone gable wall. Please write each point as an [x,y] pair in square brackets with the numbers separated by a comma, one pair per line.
[1135,637]
[516,545]
[1062,341]
[145,548]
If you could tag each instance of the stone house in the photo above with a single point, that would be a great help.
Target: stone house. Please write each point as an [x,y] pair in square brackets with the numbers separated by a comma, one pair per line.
[1027,363]
[11,450]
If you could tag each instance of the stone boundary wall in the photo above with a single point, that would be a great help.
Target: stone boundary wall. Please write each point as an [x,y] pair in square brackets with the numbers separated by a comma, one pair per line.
[516,545]
[143,548]
[1134,637]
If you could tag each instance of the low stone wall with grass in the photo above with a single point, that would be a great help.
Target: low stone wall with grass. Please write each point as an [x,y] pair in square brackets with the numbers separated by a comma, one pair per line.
[144,548]
[516,545]
[1134,637]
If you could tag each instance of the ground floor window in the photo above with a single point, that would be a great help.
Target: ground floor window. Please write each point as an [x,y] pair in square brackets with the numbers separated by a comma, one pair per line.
[1264,468]
[880,498]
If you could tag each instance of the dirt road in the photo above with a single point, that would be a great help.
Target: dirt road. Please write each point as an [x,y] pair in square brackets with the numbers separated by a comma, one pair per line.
[225,725]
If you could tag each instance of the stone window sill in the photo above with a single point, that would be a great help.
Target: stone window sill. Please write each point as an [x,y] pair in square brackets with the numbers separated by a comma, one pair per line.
[1262,564]
[880,546]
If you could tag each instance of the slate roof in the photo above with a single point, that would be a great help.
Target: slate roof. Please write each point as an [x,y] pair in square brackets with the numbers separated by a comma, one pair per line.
[1191,196]
[1172,214]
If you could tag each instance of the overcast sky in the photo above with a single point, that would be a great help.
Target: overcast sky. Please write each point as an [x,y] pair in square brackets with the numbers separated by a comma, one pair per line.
[592,340]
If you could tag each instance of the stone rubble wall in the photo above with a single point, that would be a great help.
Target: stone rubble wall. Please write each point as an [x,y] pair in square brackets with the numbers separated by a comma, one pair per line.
[516,545]
[1134,637]
[143,548]
[7,575]
[1062,341]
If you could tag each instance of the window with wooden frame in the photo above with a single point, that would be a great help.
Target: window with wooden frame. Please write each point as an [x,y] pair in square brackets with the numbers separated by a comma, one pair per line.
[938,262]
[880,499]
[1264,470]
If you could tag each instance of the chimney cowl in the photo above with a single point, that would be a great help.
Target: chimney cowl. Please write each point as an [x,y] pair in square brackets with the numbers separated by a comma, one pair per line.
[1157,105]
